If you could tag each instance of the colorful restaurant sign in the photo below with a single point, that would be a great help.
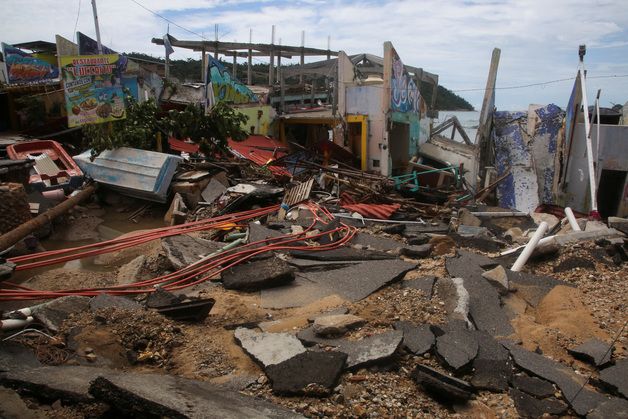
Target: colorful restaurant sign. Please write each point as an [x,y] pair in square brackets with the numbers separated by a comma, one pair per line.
[93,90]
[22,67]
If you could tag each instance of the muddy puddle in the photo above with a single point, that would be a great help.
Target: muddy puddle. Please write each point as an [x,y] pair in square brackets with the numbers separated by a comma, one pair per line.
[88,227]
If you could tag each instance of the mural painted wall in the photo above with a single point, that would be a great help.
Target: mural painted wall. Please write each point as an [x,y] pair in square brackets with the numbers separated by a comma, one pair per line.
[93,91]
[404,92]
[223,87]
[23,67]
[260,118]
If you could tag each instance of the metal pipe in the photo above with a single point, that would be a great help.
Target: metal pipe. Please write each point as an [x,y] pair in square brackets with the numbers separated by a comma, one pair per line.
[572,219]
[97,27]
[499,214]
[527,251]
[11,324]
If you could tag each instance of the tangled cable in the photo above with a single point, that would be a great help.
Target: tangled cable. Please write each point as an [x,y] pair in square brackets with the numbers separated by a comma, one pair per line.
[203,270]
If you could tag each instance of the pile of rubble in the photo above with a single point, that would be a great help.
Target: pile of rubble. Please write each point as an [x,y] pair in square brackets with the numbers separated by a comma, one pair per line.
[340,295]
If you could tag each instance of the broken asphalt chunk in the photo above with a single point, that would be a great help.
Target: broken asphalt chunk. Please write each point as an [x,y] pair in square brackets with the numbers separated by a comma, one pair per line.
[594,351]
[616,377]
[67,383]
[380,243]
[310,373]
[361,352]
[336,324]
[358,281]
[533,386]
[268,348]
[107,301]
[492,368]
[157,395]
[13,355]
[531,407]
[533,288]
[417,339]
[53,313]
[581,399]
[417,252]
[161,298]
[425,284]
[443,387]
[485,306]
[257,275]
[457,348]
[615,408]
[341,254]
[183,250]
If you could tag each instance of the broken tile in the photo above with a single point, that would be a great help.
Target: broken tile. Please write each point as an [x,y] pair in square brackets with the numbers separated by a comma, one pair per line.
[457,348]
[213,190]
[417,339]
[594,351]
[531,407]
[310,373]
[616,377]
[336,324]
[443,387]
[257,275]
[268,348]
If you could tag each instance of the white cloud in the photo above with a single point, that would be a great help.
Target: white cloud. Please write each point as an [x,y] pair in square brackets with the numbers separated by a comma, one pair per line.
[453,38]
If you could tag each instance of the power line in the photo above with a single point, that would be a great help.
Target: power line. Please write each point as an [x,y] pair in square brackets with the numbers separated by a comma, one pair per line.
[168,20]
[523,86]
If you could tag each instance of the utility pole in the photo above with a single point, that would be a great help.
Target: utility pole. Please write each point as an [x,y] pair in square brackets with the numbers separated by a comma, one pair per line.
[249,69]
[271,63]
[97,27]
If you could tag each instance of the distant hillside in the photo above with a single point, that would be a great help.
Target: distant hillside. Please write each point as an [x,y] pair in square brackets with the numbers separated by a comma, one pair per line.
[190,71]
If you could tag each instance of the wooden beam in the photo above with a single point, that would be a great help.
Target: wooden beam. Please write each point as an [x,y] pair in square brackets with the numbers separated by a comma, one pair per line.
[484,154]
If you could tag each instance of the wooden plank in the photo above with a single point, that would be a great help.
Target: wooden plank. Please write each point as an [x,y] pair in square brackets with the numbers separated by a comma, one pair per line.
[486,117]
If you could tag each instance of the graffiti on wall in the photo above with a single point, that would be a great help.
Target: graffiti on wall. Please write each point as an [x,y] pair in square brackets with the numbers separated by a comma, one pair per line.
[405,96]
[23,67]
[225,88]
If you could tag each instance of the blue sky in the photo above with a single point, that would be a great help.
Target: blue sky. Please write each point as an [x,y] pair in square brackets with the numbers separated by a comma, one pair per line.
[539,39]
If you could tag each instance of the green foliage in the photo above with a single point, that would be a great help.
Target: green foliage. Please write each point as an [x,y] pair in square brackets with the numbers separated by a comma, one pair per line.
[142,124]
[33,109]
[137,130]
[446,100]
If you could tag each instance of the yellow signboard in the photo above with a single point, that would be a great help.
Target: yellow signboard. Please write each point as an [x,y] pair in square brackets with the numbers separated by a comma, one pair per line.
[93,89]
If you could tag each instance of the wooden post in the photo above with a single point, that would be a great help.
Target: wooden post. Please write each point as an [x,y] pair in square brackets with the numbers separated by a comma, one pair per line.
[10,238]
[249,69]
[483,153]
[313,92]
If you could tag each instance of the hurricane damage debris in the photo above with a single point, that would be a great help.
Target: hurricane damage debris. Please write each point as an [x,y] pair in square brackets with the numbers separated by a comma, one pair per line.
[294,273]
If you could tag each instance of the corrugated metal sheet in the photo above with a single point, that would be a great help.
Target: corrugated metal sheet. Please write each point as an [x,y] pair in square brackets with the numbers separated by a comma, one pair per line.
[299,193]
[379,211]
[260,150]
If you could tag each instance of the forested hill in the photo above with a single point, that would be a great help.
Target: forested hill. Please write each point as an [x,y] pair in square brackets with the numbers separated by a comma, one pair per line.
[190,70]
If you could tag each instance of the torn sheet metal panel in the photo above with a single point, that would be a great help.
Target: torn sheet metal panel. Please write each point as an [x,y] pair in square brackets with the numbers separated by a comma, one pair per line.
[261,150]
[519,190]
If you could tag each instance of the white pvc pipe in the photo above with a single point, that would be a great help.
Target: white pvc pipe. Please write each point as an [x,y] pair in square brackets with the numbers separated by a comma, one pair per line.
[10,324]
[527,251]
[572,219]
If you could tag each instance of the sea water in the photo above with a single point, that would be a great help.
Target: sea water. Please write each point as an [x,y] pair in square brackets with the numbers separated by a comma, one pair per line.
[468,119]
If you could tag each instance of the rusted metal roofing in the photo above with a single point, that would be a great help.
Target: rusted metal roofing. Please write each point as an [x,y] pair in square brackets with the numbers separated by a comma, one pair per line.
[261,150]
[379,211]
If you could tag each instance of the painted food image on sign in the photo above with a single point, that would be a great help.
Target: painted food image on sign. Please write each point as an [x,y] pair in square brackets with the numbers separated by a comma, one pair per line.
[405,96]
[224,87]
[93,90]
[22,67]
